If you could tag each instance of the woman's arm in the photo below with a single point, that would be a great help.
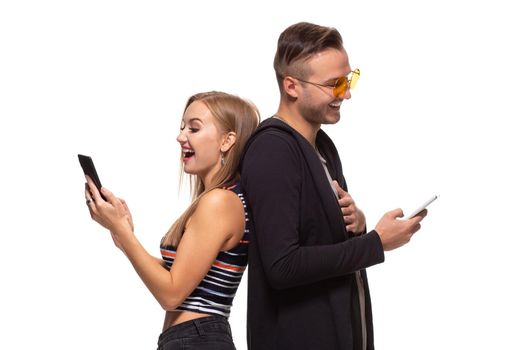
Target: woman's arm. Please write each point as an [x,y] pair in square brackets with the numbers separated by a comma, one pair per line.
[218,222]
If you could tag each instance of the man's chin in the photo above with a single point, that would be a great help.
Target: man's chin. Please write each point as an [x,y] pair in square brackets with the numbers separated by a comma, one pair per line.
[332,118]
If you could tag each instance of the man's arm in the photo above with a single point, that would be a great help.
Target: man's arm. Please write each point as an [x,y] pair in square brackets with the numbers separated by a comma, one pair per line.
[271,176]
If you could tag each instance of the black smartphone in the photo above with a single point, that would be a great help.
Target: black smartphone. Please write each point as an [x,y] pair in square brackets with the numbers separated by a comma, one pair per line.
[89,169]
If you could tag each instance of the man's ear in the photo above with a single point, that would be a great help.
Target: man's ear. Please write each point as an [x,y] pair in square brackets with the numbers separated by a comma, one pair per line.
[290,86]
[228,141]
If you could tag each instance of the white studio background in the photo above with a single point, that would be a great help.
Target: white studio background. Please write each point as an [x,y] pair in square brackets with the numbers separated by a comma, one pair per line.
[438,109]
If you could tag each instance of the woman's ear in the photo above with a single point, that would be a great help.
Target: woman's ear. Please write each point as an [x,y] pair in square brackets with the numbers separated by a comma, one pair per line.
[228,141]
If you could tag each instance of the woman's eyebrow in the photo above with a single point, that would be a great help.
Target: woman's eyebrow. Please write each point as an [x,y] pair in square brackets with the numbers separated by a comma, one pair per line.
[194,119]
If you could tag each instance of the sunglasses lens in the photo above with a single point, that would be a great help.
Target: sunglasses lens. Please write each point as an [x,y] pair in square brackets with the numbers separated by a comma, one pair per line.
[354,78]
[343,84]
[340,87]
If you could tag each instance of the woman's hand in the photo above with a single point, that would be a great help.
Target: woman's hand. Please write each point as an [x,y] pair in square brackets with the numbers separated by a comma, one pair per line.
[112,214]
[128,217]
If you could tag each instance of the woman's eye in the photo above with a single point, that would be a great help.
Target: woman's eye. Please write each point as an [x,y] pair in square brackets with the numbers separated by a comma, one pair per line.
[192,130]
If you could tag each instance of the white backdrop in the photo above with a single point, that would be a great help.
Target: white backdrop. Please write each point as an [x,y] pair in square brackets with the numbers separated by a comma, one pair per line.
[438,109]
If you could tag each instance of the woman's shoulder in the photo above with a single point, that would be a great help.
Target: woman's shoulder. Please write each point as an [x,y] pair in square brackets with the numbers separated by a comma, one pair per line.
[219,210]
[219,200]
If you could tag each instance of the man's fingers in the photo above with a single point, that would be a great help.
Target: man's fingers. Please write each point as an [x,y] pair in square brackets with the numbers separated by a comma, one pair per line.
[349,219]
[421,215]
[352,228]
[346,201]
[337,187]
[340,192]
[346,211]
[396,213]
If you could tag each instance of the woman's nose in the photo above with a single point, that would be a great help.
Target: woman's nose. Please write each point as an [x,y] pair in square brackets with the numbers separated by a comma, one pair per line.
[182,137]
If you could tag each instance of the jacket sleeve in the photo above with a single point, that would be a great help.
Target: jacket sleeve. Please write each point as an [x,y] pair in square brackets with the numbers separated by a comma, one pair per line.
[271,176]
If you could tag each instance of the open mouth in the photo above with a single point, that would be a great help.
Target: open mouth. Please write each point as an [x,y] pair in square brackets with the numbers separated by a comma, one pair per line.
[187,154]
[335,104]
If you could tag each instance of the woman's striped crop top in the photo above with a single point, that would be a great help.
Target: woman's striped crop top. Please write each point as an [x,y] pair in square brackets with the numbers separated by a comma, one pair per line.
[215,293]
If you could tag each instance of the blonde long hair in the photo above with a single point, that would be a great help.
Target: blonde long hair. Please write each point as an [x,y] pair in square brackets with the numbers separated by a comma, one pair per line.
[231,114]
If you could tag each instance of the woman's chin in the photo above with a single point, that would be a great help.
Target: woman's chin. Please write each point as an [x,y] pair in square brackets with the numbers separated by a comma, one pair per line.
[188,170]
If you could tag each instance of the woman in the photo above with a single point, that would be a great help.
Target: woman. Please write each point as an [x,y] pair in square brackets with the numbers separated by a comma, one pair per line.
[205,251]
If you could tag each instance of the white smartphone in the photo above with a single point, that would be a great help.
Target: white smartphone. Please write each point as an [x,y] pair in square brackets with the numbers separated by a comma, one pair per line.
[420,208]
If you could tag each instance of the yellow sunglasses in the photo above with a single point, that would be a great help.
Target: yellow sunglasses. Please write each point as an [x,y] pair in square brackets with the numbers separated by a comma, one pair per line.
[341,85]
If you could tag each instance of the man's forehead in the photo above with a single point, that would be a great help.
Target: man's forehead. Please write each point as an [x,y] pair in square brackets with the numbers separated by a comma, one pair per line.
[329,61]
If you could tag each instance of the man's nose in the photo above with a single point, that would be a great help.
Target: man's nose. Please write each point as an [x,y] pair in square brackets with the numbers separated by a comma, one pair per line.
[348,94]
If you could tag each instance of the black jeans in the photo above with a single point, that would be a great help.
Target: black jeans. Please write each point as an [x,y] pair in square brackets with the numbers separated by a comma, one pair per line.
[211,332]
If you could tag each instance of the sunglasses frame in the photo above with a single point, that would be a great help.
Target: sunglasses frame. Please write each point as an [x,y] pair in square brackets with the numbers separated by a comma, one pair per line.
[349,82]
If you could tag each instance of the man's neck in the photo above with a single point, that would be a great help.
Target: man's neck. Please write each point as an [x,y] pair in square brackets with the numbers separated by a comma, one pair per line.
[298,123]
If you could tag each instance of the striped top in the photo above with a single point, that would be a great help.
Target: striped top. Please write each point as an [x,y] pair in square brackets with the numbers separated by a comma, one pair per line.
[215,293]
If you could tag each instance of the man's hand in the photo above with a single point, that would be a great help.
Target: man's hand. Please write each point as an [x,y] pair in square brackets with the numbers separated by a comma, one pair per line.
[395,233]
[353,216]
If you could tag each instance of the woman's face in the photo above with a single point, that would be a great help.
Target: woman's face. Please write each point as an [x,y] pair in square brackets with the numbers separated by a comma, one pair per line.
[200,141]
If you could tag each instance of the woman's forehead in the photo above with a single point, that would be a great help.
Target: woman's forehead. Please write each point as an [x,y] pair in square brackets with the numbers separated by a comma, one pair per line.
[197,111]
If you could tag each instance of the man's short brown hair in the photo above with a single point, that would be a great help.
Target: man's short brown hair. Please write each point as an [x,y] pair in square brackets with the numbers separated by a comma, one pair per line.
[298,43]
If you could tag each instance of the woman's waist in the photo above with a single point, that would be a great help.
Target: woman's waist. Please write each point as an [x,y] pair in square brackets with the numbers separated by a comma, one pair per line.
[180,318]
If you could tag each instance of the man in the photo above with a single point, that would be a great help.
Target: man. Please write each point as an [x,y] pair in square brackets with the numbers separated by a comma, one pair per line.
[307,285]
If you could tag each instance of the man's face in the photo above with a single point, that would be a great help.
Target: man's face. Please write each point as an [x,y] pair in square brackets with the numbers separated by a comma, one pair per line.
[317,104]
